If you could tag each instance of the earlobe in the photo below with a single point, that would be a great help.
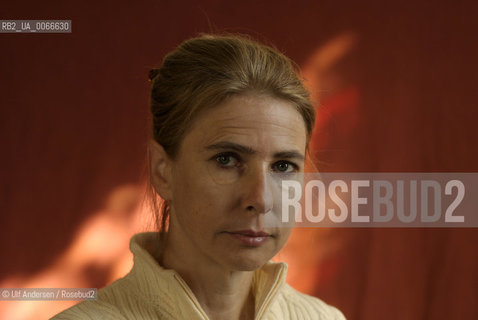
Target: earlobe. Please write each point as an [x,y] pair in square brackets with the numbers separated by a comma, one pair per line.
[160,170]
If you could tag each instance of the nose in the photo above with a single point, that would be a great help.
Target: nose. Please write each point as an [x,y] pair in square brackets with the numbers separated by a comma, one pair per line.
[256,190]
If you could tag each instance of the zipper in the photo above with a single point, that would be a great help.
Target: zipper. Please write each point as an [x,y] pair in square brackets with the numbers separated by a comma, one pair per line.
[268,299]
[191,297]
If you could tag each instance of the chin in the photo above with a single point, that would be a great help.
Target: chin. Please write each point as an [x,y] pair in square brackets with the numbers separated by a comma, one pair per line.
[249,261]
[244,266]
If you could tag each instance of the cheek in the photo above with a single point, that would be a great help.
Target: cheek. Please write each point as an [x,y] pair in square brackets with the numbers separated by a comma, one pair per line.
[201,201]
[285,233]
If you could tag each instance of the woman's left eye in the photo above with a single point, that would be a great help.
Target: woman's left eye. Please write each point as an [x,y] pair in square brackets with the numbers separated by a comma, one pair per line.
[285,166]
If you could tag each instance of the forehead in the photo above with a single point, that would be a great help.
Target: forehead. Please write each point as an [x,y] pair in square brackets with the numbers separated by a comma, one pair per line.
[257,121]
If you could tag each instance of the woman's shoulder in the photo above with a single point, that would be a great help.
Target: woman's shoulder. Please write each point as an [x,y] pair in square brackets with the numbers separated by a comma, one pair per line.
[302,306]
[91,309]
[107,306]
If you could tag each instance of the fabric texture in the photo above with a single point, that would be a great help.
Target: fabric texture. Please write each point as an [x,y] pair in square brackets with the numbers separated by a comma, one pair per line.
[149,291]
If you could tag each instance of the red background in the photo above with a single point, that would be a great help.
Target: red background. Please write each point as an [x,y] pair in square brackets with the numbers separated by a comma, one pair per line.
[74,125]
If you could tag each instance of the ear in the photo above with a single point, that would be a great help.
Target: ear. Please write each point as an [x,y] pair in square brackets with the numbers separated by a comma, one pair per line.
[160,170]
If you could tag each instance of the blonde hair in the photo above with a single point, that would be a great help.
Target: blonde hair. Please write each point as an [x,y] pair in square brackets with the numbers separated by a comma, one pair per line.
[204,71]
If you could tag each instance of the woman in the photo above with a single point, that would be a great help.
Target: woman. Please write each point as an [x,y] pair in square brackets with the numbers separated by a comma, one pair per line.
[228,114]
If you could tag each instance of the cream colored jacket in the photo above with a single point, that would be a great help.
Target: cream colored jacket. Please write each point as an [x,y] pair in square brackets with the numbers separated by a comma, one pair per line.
[149,291]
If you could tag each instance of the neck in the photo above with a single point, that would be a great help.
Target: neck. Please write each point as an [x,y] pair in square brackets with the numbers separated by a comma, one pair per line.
[222,293]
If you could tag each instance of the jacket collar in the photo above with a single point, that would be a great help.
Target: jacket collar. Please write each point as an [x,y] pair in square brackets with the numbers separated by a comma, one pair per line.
[166,289]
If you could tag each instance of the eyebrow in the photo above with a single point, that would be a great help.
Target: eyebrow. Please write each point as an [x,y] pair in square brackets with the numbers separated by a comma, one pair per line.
[288,154]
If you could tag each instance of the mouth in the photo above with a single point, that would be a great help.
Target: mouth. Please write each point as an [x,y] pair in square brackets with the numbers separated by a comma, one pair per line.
[250,238]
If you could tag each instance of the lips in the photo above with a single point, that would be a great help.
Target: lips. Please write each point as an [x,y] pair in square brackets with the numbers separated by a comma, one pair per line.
[250,238]
[251,233]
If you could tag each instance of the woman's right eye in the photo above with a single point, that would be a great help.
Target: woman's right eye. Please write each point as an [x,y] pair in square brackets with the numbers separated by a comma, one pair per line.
[227,160]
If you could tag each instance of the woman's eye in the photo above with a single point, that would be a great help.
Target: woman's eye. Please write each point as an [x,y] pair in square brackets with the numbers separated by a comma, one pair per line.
[226,160]
[284,166]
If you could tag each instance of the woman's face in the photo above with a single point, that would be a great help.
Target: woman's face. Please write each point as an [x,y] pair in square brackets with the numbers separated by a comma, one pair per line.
[224,194]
